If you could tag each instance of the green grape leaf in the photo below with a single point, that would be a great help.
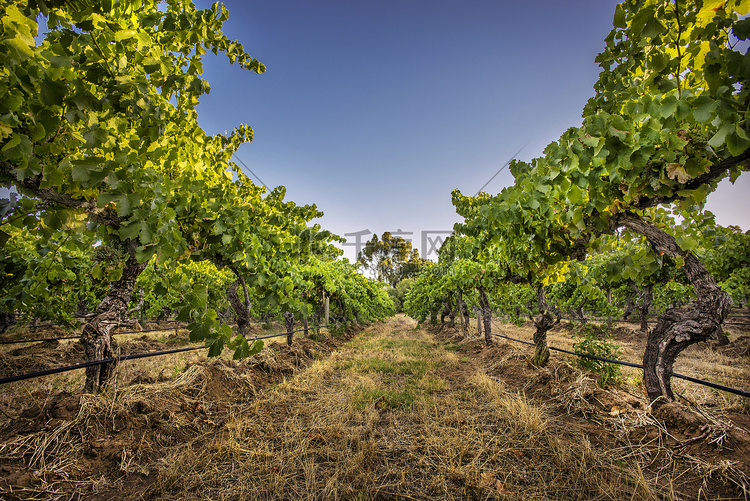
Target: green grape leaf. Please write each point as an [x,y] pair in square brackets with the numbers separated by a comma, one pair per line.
[130,230]
[737,141]
[198,331]
[619,20]
[55,220]
[115,274]
[242,350]
[216,346]
[741,29]
[719,138]
[256,347]
[52,92]
[704,109]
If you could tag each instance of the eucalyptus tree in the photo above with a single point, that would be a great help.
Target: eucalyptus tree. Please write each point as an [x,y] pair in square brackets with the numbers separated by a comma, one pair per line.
[390,258]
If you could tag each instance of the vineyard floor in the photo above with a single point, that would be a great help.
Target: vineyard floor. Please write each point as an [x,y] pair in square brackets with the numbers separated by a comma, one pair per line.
[393,412]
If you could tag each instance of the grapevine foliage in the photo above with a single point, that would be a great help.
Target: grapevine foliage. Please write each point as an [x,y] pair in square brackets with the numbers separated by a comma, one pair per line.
[668,121]
[99,136]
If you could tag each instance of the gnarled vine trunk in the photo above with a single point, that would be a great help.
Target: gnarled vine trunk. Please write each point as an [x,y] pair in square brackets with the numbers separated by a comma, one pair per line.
[446,311]
[112,311]
[629,305]
[7,319]
[463,309]
[289,323]
[644,300]
[484,304]
[678,328]
[543,324]
[579,311]
[241,310]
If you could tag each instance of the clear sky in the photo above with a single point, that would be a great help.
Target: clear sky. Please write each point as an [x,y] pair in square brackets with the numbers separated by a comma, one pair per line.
[376,110]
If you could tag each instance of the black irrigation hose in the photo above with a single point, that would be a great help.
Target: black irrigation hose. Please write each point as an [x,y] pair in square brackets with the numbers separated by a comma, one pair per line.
[83,365]
[276,335]
[20,341]
[50,324]
[639,366]
[58,370]
[147,330]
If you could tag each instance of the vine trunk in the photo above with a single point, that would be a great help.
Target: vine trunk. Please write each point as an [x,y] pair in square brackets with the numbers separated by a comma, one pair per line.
[678,328]
[97,335]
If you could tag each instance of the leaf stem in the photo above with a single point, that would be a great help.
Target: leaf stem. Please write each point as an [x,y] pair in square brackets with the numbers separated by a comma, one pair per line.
[101,53]
[52,259]
[679,52]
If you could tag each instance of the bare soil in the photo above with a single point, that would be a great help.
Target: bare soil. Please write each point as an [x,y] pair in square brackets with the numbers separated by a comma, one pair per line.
[393,413]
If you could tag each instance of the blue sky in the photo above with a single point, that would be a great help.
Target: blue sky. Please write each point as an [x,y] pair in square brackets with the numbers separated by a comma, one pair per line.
[375,111]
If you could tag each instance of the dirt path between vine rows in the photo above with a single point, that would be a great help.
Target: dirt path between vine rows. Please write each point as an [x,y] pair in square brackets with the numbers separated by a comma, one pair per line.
[394,413]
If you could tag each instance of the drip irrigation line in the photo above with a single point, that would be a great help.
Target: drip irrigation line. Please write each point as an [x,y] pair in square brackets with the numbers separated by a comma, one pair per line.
[19,341]
[83,365]
[52,324]
[640,366]
[147,330]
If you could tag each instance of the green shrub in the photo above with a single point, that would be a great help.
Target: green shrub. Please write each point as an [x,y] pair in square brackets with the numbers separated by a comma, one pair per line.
[595,341]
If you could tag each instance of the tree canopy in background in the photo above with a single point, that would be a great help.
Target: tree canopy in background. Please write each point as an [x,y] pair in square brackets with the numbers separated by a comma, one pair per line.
[390,258]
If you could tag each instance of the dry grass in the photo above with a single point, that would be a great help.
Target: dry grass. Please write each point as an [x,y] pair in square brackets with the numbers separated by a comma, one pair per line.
[394,416]
[682,448]
[702,361]
[23,358]
[395,413]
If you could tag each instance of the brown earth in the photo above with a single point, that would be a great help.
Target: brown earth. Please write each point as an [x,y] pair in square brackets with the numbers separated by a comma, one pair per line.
[126,442]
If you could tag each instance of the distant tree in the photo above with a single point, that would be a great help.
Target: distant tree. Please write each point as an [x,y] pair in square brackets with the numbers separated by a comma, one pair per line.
[411,267]
[390,258]
[399,292]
